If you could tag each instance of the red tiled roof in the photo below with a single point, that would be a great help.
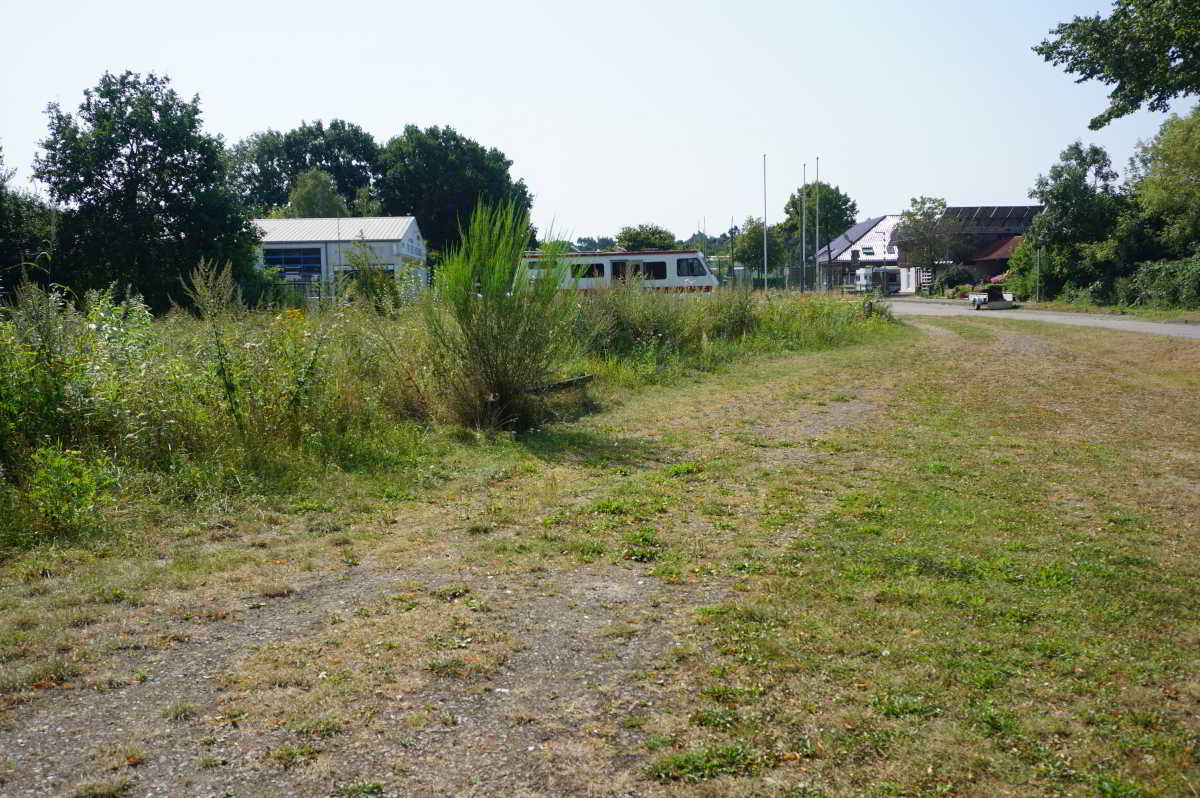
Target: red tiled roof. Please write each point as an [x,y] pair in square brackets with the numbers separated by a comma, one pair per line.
[1000,249]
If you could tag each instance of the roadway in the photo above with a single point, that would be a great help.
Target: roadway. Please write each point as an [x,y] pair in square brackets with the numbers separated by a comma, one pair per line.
[921,307]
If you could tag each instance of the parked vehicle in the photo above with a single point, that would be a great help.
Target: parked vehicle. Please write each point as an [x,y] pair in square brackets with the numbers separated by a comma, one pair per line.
[882,279]
[665,270]
[992,297]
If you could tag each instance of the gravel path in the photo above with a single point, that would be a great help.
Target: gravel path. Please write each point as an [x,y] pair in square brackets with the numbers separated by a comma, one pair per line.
[910,307]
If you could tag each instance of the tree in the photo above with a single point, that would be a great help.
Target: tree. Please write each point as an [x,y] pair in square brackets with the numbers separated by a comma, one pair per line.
[598,244]
[1170,185]
[26,225]
[440,176]
[314,195]
[925,236]
[265,165]
[146,190]
[838,214]
[748,246]
[645,236]
[1148,50]
[1079,198]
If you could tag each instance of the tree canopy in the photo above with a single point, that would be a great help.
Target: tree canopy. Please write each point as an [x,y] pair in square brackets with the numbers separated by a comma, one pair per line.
[748,245]
[838,214]
[26,225]
[595,244]
[645,236]
[314,195]
[267,164]
[1147,50]
[145,188]
[440,176]
[925,236]
[1170,186]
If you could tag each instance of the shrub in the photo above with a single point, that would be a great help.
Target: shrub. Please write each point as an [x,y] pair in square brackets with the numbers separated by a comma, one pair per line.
[497,330]
[1167,284]
[953,277]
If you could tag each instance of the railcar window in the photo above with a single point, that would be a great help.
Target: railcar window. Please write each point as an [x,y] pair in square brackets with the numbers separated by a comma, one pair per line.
[655,270]
[618,270]
[690,267]
[587,270]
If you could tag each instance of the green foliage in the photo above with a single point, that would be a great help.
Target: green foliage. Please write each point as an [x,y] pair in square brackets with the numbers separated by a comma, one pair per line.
[708,763]
[313,195]
[1146,50]
[145,189]
[265,165]
[748,246]
[837,211]
[645,236]
[498,329]
[440,176]
[925,236]
[1165,284]
[1170,187]
[953,277]
[26,225]
[66,489]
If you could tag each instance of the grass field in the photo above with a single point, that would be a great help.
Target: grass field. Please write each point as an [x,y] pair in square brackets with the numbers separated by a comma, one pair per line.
[877,570]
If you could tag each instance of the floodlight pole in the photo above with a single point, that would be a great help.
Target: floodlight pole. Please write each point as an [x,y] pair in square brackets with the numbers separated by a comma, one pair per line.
[803,223]
[764,222]
[817,231]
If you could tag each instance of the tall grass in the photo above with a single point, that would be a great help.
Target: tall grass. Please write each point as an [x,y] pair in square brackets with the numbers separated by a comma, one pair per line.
[497,329]
[99,399]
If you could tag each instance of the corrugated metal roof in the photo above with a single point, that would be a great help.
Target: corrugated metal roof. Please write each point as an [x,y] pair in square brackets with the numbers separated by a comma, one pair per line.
[368,228]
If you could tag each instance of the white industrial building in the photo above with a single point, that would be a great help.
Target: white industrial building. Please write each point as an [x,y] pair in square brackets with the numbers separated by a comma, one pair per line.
[310,253]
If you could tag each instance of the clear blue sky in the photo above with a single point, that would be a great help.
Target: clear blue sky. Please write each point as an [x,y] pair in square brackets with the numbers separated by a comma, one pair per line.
[614,113]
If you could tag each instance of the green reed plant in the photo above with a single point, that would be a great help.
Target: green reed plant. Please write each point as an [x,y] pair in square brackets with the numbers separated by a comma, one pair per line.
[497,329]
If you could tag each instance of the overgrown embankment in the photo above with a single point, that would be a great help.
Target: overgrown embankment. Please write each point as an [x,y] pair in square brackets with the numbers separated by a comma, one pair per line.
[98,399]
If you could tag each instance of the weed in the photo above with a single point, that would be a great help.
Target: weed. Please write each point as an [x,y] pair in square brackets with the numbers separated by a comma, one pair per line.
[708,763]
[288,756]
[360,788]
[180,711]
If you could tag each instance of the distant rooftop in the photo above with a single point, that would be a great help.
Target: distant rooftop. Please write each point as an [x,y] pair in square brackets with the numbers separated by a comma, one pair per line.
[353,228]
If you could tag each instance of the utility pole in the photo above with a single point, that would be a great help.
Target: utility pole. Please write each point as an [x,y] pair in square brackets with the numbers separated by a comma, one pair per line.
[803,223]
[764,221]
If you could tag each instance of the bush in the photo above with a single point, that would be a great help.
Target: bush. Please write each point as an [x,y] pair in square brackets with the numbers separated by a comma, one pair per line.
[497,330]
[1167,284]
[952,277]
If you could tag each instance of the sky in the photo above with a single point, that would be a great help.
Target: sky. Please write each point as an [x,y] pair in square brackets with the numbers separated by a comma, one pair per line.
[613,113]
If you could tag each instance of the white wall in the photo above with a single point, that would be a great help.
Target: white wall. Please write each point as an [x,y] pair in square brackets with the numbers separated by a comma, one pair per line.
[878,238]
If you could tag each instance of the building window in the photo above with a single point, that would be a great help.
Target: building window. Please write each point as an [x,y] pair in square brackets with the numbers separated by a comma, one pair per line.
[295,265]
[891,250]
[690,267]
[868,251]
[655,270]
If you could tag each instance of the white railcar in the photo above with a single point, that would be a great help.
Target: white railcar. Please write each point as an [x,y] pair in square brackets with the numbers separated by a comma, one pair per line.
[664,270]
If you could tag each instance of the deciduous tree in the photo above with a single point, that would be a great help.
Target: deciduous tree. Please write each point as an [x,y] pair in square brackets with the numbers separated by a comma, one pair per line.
[440,176]
[925,236]
[837,211]
[1147,50]
[314,195]
[645,236]
[145,189]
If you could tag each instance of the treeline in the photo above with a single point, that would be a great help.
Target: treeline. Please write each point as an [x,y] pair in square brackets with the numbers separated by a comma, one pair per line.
[1137,242]
[139,192]
[788,241]
[1129,243]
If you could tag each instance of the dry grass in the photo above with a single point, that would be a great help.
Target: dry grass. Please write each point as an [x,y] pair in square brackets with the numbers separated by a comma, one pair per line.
[876,571]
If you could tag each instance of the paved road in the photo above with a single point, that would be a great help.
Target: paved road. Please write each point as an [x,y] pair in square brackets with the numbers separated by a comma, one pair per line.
[909,307]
